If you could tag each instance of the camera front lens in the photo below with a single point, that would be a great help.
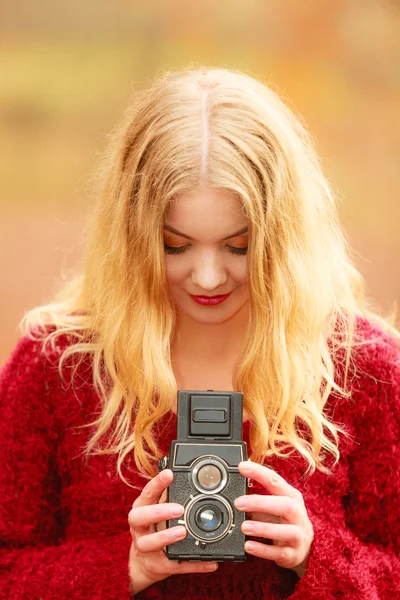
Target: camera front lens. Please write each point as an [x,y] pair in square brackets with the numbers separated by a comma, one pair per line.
[209,518]
[209,477]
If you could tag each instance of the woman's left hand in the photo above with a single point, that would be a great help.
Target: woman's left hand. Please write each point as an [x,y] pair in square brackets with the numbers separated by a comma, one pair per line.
[281,517]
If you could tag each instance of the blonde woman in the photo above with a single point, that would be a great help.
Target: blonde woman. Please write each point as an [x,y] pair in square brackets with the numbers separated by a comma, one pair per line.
[214,260]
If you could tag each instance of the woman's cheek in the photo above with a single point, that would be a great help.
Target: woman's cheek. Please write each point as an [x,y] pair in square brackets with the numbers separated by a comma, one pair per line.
[174,273]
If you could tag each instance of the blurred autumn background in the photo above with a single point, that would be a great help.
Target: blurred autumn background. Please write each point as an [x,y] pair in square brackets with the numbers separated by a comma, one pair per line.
[68,70]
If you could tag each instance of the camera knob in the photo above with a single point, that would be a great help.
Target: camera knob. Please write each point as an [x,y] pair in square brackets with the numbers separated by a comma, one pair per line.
[162,463]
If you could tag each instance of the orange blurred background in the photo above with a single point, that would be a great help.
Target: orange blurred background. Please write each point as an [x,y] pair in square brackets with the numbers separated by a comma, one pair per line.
[69,69]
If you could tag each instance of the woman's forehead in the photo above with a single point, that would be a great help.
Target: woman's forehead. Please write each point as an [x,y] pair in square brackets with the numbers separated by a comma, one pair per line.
[202,201]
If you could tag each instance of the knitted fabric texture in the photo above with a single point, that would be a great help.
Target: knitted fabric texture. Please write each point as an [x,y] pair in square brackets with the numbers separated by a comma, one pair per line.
[64,529]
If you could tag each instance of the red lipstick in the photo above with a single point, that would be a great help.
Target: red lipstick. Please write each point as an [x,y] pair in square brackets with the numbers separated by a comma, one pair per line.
[210,300]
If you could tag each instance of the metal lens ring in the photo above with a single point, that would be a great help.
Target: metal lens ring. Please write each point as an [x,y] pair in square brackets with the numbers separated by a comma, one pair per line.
[209,475]
[208,519]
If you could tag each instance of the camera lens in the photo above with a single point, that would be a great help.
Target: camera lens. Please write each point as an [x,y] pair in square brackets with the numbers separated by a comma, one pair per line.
[209,474]
[209,477]
[209,518]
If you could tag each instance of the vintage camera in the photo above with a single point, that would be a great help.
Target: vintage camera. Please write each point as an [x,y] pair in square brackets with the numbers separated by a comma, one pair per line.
[204,459]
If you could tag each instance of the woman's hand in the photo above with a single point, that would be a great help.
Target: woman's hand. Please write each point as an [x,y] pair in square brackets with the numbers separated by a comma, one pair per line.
[147,560]
[281,517]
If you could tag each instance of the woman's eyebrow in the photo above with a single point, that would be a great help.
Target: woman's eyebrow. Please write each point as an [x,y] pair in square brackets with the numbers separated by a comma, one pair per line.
[169,228]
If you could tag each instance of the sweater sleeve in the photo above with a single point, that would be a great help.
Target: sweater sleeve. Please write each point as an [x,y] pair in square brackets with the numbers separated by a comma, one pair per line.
[35,560]
[356,556]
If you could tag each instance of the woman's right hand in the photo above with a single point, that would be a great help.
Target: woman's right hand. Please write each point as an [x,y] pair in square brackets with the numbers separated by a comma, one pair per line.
[148,562]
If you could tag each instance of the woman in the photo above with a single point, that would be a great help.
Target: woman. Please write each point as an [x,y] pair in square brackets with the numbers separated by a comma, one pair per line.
[211,188]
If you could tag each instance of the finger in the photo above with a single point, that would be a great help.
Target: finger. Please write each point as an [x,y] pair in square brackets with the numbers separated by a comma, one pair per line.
[164,566]
[163,497]
[265,517]
[271,480]
[157,541]
[142,517]
[290,534]
[195,567]
[153,489]
[282,506]
[284,556]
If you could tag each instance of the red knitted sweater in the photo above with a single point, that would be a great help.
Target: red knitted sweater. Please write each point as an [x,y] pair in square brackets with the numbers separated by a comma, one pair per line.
[63,522]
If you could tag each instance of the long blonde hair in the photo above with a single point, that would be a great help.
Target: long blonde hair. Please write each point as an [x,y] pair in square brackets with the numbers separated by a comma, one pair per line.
[213,128]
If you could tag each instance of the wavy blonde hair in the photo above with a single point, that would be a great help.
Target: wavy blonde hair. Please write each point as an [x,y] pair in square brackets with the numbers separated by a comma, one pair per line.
[213,128]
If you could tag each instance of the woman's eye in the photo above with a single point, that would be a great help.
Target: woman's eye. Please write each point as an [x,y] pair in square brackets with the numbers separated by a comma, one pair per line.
[172,250]
[240,251]
[180,249]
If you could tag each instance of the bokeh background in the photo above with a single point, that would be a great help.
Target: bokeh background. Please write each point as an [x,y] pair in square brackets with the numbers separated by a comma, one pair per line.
[69,69]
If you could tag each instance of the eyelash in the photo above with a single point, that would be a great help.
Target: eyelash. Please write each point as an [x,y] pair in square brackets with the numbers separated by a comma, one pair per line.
[171,250]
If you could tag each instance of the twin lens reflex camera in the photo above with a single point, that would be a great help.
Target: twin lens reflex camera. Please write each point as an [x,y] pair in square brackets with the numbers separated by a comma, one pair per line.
[204,459]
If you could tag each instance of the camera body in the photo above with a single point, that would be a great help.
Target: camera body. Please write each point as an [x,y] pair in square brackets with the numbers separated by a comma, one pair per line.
[204,459]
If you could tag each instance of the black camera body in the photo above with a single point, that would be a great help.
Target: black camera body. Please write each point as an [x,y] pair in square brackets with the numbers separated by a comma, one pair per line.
[204,459]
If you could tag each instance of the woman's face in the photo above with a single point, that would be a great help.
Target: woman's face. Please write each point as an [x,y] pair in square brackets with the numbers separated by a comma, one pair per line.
[212,257]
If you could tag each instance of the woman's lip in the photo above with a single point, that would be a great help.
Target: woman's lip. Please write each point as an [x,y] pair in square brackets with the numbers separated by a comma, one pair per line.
[209,297]
[210,300]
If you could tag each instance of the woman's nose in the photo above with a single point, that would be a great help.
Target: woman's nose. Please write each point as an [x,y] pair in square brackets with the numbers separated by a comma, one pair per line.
[209,273]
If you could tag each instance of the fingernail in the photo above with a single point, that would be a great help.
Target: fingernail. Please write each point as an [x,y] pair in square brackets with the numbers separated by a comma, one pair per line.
[248,528]
[212,566]
[177,511]
[240,502]
[245,466]
[249,546]
[164,476]
[180,533]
